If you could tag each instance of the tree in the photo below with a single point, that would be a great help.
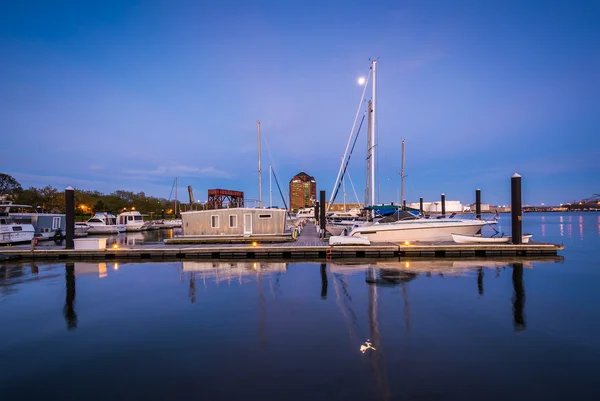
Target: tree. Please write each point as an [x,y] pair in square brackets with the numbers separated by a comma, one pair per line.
[9,186]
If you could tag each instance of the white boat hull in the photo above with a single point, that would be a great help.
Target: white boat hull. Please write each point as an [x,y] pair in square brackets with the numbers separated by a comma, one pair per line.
[348,240]
[23,233]
[420,230]
[467,239]
[99,229]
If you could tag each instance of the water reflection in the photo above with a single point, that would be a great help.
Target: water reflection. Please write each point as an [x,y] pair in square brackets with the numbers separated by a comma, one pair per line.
[69,308]
[134,238]
[324,282]
[518,297]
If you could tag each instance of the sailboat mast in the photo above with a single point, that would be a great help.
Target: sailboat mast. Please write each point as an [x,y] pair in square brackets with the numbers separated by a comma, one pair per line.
[176,185]
[374,67]
[402,176]
[259,170]
[270,187]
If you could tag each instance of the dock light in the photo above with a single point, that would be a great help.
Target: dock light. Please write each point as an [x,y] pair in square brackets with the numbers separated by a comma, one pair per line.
[115,246]
[254,243]
[406,243]
[407,265]
[361,80]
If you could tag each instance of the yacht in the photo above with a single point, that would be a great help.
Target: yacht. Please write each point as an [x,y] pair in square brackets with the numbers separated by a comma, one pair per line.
[104,223]
[133,221]
[11,232]
[404,226]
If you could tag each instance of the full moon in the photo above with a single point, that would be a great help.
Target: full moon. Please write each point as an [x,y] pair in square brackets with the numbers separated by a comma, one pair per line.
[361,80]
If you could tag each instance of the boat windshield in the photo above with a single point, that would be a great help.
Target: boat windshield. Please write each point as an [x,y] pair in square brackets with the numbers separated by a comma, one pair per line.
[399,216]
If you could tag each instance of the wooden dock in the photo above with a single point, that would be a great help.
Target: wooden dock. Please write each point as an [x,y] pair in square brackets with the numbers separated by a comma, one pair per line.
[308,246]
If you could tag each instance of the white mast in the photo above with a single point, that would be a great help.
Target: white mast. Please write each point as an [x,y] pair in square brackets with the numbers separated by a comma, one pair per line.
[402,177]
[374,68]
[259,170]
[270,187]
[176,184]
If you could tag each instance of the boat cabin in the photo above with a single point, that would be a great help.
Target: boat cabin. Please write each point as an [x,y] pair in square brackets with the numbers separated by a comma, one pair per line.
[234,221]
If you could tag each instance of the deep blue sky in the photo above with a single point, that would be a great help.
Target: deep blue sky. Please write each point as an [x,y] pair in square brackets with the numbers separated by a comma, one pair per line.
[128,95]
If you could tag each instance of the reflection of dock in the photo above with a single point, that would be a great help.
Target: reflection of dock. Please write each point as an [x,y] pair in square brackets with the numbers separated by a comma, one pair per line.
[438,265]
[225,271]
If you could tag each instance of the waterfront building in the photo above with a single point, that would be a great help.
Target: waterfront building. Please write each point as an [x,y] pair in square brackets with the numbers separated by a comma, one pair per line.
[303,191]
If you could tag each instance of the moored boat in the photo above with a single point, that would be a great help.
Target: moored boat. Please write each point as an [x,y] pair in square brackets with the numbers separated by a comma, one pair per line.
[478,239]
[132,220]
[12,233]
[104,223]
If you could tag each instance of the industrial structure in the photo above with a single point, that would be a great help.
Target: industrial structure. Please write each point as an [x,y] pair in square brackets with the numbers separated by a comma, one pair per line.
[224,198]
[303,191]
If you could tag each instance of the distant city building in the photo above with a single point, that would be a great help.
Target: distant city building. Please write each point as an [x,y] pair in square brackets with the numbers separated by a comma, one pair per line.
[303,191]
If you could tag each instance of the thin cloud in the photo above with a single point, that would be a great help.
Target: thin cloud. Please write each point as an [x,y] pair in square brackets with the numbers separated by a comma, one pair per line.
[179,170]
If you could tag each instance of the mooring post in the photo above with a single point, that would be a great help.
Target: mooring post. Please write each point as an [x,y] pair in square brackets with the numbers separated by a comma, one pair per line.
[404,204]
[516,209]
[70,217]
[518,297]
[443,205]
[421,205]
[322,213]
[317,213]
[478,204]
[324,281]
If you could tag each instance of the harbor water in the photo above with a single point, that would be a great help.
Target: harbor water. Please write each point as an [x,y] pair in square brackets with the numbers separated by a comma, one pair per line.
[403,329]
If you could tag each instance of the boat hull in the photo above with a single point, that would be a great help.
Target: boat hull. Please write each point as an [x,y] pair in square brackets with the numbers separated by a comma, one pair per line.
[466,239]
[23,233]
[425,231]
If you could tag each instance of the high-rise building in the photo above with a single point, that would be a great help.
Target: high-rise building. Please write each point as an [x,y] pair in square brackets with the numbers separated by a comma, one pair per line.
[303,191]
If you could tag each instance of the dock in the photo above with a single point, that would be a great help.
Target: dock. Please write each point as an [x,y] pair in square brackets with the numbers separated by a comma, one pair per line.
[308,246]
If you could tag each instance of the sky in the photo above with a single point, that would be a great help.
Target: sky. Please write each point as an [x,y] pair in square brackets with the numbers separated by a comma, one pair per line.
[109,95]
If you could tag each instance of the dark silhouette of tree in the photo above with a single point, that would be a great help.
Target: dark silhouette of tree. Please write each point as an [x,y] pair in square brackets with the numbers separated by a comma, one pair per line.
[9,186]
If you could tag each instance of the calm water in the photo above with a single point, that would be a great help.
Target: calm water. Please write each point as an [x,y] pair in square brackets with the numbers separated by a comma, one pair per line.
[442,330]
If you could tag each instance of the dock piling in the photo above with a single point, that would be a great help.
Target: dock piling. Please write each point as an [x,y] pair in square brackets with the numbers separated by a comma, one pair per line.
[70,217]
[443,205]
[421,205]
[516,209]
[322,213]
[518,297]
[478,204]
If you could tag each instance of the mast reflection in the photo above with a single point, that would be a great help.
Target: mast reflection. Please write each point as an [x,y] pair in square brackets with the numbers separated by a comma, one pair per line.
[69,308]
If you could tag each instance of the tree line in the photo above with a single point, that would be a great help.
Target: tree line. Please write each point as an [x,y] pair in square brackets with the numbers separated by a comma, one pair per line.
[51,200]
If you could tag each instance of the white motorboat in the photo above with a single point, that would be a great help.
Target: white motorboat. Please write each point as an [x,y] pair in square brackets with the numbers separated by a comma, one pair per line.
[104,223]
[133,220]
[81,229]
[478,239]
[11,232]
[304,213]
[408,227]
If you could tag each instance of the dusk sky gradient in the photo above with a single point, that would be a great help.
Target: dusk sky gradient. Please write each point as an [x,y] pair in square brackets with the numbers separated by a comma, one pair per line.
[128,95]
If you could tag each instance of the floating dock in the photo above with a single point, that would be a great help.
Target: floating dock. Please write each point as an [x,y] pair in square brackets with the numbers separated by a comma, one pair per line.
[307,246]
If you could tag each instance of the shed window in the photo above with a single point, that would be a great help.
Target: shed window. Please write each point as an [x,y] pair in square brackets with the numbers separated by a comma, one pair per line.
[214,221]
[233,221]
[264,216]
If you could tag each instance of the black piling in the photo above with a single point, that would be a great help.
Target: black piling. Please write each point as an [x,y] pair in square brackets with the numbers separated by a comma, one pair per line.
[70,217]
[317,212]
[324,282]
[322,213]
[478,204]
[480,280]
[443,204]
[421,205]
[518,297]
[404,204]
[516,209]
[69,308]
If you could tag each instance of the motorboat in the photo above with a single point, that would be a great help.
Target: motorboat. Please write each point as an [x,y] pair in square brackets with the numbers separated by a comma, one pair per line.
[11,232]
[348,240]
[305,213]
[81,229]
[104,223]
[404,226]
[132,220]
[478,239]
